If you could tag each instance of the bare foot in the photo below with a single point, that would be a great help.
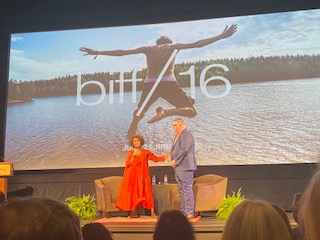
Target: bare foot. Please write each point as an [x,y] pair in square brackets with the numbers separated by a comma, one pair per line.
[160,113]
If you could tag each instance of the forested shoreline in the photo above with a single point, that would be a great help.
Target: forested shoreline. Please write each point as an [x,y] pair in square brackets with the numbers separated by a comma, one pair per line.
[254,69]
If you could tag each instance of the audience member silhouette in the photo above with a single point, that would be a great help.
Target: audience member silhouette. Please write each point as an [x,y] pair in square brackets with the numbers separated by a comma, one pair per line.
[36,218]
[95,231]
[284,216]
[173,225]
[310,209]
[297,233]
[2,197]
[252,220]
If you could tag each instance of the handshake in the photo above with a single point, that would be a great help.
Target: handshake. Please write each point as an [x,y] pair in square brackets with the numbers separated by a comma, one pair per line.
[172,162]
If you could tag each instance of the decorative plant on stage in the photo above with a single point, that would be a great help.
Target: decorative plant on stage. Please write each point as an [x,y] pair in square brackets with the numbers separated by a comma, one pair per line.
[84,206]
[228,204]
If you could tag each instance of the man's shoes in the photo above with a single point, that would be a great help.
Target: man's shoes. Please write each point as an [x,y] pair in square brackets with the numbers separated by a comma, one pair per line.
[189,216]
[160,113]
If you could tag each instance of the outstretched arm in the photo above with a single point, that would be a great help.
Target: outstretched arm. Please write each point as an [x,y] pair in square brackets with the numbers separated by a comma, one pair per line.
[90,51]
[227,32]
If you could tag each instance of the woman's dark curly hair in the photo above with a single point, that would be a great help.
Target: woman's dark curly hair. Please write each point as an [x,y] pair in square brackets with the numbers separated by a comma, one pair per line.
[136,136]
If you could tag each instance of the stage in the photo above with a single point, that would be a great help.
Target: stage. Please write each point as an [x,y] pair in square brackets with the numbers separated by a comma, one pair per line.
[207,228]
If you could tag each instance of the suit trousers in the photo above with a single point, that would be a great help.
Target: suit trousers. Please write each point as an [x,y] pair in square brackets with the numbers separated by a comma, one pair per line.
[185,183]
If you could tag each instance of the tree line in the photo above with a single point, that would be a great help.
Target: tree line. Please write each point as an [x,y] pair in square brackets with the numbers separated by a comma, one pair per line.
[242,70]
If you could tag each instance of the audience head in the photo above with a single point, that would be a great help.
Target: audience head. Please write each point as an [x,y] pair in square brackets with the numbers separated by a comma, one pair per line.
[252,220]
[283,215]
[310,209]
[173,225]
[2,197]
[38,219]
[95,231]
[296,205]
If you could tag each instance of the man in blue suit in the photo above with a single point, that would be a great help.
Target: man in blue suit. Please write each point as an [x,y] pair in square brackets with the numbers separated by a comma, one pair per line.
[184,162]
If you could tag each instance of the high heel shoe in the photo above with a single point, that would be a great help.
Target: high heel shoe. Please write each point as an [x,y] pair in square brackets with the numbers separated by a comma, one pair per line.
[153,214]
[134,214]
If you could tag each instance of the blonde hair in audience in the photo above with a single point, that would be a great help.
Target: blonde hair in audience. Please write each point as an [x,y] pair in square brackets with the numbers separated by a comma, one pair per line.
[252,220]
[310,209]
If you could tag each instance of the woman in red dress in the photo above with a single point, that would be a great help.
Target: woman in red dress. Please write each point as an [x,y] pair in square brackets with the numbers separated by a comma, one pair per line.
[136,188]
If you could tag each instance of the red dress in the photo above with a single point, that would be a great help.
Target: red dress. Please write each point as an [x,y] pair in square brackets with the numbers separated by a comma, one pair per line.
[136,188]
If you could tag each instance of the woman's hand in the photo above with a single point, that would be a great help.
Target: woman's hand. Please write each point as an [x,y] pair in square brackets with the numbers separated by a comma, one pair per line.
[132,159]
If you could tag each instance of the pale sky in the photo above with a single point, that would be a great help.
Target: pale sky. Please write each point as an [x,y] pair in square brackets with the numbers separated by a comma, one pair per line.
[45,55]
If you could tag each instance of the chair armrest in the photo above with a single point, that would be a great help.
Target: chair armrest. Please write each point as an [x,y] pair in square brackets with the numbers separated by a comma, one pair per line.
[103,196]
[209,195]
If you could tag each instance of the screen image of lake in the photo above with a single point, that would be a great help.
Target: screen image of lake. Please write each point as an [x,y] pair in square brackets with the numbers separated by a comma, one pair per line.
[257,123]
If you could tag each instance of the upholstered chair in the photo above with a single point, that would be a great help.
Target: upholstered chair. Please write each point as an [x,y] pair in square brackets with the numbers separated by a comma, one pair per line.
[107,190]
[209,190]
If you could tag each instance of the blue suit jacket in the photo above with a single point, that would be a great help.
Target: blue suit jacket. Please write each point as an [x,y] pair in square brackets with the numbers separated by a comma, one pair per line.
[183,152]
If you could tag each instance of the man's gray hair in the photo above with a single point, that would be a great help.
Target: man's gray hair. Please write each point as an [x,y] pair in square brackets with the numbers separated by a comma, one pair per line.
[180,120]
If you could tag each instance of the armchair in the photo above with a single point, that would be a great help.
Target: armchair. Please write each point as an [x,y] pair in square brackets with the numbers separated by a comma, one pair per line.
[107,190]
[209,190]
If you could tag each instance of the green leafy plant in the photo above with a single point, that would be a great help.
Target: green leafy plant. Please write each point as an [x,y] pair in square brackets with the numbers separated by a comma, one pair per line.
[228,204]
[84,206]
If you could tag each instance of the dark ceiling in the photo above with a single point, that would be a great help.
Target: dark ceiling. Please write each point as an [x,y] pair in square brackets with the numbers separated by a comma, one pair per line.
[29,15]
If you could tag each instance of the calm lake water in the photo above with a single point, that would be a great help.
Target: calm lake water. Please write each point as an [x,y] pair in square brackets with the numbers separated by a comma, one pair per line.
[257,123]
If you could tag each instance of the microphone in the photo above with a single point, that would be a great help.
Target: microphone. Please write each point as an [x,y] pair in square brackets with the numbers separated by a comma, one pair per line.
[135,153]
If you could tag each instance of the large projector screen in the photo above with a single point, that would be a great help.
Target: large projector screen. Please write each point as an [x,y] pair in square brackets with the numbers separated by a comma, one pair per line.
[256,93]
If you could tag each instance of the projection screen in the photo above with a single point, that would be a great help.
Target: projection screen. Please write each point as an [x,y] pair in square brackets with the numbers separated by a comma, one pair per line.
[255,95]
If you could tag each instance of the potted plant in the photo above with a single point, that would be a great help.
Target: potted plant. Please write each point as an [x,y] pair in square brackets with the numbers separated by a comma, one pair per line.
[84,206]
[228,204]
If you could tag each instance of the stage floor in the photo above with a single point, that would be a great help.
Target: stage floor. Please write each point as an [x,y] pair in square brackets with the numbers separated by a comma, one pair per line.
[208,228]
